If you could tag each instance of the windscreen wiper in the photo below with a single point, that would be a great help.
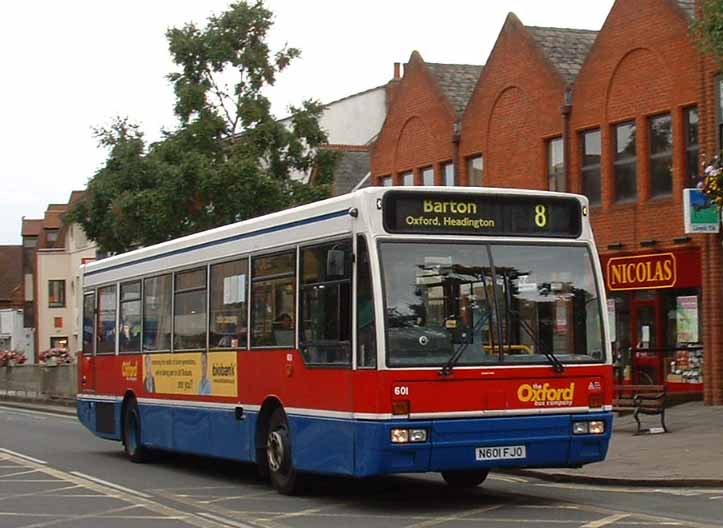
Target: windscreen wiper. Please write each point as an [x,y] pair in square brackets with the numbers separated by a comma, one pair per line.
[446,369]
[551,357]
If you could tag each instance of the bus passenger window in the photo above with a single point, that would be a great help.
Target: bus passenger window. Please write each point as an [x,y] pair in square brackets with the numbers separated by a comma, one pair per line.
[129,331]
[106,320]
[88,323]
[157,313]
[273,300]
[326,303]
[228,308]
[189,318]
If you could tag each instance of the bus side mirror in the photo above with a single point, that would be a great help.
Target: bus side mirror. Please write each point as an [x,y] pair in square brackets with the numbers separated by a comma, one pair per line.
[335,263]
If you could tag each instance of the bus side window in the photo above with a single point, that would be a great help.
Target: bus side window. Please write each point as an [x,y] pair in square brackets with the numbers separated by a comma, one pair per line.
[366,340]
[273,300]
[106,320]
[89,324]
[325,308]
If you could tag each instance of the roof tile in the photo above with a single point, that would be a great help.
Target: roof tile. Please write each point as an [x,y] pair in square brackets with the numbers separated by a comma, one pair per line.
[566,48]
[457,81]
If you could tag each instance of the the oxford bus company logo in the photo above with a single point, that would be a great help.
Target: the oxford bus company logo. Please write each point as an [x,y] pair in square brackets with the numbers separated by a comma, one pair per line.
[544,395]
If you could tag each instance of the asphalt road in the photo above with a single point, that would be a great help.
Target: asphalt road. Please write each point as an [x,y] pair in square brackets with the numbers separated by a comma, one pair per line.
[55,473]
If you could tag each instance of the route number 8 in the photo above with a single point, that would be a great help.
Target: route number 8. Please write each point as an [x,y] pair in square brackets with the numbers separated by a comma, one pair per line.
[540,215]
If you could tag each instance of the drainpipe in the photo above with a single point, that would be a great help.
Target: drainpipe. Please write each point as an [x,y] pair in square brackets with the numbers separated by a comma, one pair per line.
[456,136]
[566,110]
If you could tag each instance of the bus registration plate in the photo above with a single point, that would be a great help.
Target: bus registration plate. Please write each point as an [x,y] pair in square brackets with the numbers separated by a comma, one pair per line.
[500,453]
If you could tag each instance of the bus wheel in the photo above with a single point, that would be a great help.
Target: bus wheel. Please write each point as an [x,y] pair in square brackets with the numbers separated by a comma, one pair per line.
[132,433]
[278,454]
[465,479]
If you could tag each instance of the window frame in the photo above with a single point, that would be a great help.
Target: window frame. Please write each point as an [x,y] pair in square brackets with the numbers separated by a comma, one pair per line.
[652,157]
[444,166]
[624,161]
[98,312]
[176,291]
[62,302]
[592,168]
[355,301]
[247,301]
[170,314]
[386,181]
[426,170]
[557,176]
[468,164]
[404,175]
[691,148]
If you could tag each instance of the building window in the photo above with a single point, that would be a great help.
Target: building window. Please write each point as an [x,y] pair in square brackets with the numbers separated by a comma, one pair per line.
[106,320]
[129,331]
[56,294]
[325,308]
[157,302]
[556,165]
[475,170]
[625,162]
[273,300]
[51,235]
[591,181]
[59,342]
[448,172]
[386,181]
[228,305]
[189,310]
[428,176]
[692,147]
[407,178]
[661,155]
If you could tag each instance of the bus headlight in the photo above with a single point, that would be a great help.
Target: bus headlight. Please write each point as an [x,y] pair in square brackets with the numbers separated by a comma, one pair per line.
[404,436]
[592,427]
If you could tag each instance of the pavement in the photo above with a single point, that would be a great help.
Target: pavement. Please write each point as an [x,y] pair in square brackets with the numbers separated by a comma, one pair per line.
[689,455]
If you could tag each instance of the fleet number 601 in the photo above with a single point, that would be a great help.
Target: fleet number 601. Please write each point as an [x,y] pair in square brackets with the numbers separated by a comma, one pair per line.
[401,391]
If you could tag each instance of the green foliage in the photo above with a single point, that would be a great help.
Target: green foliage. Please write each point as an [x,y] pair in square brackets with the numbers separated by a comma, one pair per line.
[708,28]
[228,160]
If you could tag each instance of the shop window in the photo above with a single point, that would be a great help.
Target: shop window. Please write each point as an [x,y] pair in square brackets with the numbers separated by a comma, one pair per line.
[407,178]
[325,308]
[683,361]
[129,332]
[56,294]
[448,173]
[228,306]
[428,176]
[386,181]
[106,320]
[189,318]
[625,164]
[88,323]
[692,147]
[273,300]
[366,341]
[157,302]
[475,170]
[556,165]
[591,154]
[661,155]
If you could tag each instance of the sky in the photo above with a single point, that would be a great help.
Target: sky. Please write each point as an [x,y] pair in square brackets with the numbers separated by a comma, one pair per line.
[70,67]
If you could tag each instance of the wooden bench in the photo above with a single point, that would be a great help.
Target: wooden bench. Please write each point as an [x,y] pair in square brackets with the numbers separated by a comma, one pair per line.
[641,399]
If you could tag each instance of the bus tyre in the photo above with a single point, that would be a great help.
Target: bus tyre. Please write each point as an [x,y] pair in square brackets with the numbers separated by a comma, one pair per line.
[132,433]
[465,479]
[278,454]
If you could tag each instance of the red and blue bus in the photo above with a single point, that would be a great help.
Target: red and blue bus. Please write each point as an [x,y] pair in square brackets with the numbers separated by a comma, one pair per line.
[390,330]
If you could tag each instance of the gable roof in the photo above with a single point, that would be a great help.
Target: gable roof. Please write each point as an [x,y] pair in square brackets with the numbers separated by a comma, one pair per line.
[457,82]
[351,168]
[565,48]
[11,271]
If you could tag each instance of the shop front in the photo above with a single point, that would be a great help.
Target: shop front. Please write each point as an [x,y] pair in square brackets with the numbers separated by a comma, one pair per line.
[655,315]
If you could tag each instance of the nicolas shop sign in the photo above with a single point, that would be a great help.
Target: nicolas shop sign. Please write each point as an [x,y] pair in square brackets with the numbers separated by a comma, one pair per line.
[641,272]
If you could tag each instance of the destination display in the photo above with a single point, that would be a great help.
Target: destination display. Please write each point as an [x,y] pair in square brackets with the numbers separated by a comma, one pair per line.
[484,215]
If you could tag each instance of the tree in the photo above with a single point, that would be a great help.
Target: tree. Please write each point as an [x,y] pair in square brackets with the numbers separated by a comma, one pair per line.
[229,159]
[708,28]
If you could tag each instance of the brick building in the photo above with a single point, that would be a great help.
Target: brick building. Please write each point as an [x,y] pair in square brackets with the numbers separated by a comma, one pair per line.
[623,115]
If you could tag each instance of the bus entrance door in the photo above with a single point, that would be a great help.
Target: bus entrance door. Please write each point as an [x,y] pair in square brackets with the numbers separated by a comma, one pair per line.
[86,356]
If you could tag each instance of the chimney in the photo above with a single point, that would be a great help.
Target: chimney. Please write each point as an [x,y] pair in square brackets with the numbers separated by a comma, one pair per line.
[397,69]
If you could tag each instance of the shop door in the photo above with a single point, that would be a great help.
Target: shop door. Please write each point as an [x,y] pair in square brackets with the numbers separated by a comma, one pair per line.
[647,334]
